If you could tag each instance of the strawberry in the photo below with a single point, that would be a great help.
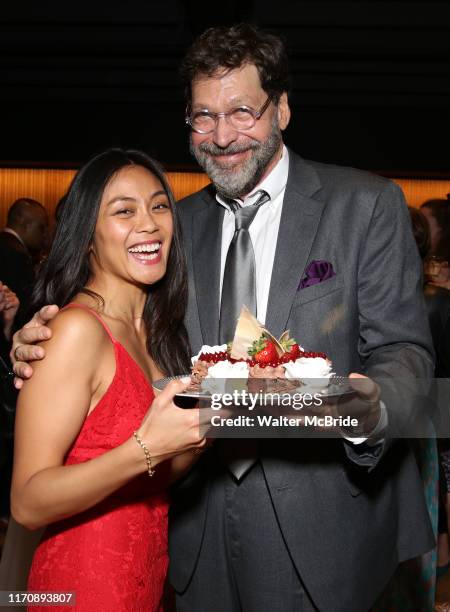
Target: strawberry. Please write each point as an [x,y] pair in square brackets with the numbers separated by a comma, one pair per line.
[263,351]
[294,352]
[290,347]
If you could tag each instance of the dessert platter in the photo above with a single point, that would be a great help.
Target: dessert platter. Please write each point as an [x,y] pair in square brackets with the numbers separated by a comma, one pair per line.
[256,361]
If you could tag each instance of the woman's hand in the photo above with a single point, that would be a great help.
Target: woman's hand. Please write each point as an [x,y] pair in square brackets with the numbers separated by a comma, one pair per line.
[168,430]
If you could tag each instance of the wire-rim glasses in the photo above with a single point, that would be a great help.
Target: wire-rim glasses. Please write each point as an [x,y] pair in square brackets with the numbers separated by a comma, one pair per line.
[240,118]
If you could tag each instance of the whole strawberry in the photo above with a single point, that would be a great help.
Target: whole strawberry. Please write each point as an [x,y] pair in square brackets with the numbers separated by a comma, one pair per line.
[263,351]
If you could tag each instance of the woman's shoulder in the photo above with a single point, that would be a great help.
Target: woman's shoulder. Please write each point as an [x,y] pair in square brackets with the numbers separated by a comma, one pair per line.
[78,327]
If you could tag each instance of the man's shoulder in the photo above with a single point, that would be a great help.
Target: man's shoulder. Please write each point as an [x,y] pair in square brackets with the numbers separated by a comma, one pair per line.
[341,177]
[9,242]
[344,187]
[12,258]
[196,200]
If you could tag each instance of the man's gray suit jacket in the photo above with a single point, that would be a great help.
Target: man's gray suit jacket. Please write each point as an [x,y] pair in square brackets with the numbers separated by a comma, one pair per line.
[348,514]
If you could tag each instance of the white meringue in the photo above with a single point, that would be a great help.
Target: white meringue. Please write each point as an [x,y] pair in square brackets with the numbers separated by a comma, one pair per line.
[313,371]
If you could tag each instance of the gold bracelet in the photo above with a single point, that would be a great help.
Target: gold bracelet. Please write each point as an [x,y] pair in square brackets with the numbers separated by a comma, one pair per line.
[148,458]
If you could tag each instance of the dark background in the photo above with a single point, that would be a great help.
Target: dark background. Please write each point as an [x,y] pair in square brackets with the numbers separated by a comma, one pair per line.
[371,79]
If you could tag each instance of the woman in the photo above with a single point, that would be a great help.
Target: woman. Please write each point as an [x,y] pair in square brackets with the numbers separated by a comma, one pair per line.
[89,432]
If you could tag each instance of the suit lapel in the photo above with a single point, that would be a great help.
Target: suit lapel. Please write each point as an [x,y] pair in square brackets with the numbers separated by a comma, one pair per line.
[206,245]
[299,222]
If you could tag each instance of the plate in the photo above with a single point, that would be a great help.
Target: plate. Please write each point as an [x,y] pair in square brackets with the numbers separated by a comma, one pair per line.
[338,387]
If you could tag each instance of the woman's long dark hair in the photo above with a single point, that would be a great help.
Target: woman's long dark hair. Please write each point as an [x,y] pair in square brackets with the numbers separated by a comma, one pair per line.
[67,270]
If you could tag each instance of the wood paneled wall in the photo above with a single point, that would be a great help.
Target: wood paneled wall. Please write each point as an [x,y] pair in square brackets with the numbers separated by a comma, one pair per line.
[417,191]
[48,186]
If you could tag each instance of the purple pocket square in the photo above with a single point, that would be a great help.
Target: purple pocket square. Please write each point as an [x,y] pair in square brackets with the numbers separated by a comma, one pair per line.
[316,272]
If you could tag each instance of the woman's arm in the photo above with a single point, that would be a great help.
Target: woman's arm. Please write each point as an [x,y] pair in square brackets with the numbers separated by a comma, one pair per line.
[51,410]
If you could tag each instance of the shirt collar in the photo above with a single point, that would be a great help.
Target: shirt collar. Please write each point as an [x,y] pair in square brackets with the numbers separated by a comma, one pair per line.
[274,183]
[8,230]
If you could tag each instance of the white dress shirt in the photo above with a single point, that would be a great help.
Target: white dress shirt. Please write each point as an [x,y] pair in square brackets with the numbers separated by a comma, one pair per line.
[263,230]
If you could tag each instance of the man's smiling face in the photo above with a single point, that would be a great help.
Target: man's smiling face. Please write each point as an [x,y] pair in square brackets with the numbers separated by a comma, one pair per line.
[236,161]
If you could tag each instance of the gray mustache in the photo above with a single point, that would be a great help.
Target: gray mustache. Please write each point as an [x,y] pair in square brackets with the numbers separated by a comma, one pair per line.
[213,149]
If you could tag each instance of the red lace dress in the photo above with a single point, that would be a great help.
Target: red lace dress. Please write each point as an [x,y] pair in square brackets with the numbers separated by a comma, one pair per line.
[114,556]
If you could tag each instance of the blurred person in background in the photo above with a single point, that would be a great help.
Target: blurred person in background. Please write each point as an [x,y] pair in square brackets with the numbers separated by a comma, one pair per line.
[429,238]
[437,214]
[9,305]
[21,241]
[437,298]
[413,587]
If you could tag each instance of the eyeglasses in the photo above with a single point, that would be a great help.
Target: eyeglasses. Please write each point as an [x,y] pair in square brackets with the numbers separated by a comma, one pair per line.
[241,118]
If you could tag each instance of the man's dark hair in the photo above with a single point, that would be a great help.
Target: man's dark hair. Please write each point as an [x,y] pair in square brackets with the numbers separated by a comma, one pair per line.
[229,47]
[20,210]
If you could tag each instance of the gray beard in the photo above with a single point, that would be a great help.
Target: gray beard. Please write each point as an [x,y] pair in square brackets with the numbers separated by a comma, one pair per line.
[238,180]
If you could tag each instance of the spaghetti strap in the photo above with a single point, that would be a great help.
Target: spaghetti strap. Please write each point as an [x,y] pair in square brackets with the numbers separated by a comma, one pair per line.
[96,315]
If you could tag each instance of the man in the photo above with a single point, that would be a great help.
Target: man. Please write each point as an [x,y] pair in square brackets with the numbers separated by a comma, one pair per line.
[24,236]
[9,305]
[298,524]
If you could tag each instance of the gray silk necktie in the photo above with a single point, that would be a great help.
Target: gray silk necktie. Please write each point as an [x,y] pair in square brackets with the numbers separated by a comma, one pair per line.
[239,288]
[239,277]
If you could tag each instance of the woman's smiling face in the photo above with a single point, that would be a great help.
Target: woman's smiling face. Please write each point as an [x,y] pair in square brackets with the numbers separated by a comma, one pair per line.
[134,228]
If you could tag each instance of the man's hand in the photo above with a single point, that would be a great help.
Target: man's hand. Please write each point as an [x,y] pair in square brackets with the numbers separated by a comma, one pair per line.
[364,406]
[23,349]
